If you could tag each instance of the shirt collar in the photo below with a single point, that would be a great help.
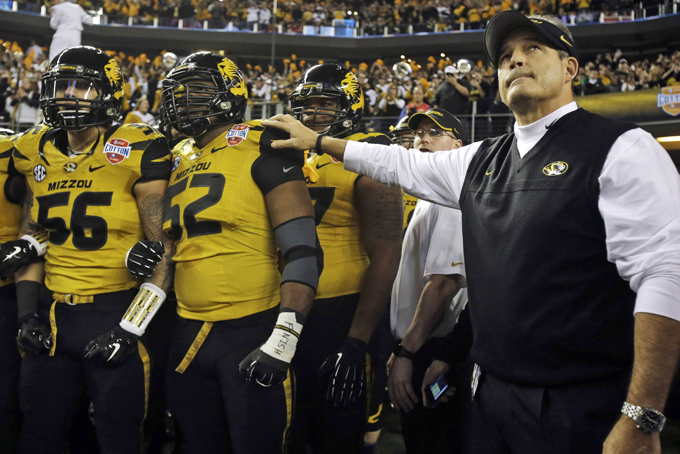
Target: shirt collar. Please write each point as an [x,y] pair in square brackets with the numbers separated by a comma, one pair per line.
[529,135]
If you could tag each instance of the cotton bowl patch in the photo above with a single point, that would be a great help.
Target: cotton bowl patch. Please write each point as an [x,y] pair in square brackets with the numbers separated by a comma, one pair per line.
[237,134]
[116,150]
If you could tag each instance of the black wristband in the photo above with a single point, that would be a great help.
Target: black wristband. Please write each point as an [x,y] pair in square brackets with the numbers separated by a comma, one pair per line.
[28,293]
[401,352]
[317,148]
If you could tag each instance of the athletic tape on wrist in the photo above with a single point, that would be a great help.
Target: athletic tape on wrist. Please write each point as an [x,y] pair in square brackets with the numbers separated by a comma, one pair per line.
[143,308]
[39,246]
[283,341]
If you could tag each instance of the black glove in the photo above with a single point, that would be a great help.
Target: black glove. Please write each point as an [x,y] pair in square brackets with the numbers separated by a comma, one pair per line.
[14,255]
[111,348]
[143,257]
[34,336]
[263,368]
[348,378]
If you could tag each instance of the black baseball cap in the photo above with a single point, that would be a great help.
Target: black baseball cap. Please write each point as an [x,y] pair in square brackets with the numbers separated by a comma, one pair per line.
[503,23]
[445,120]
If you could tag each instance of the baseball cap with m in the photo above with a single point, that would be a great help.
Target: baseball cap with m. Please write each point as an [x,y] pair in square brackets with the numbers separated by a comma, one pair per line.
[503,23]
[442,118]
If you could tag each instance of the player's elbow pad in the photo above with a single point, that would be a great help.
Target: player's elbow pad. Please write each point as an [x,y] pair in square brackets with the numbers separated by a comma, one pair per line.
[301,251]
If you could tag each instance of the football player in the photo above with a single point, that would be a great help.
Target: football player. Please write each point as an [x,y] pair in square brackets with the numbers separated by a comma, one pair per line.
[97,189]
[10,221]
[402,135]
[360,229]
[231,201]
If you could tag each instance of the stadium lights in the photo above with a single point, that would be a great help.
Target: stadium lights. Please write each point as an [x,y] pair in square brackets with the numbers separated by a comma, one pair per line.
[668,139]
[442,55]
[409,60]
[403,57]
[349,12]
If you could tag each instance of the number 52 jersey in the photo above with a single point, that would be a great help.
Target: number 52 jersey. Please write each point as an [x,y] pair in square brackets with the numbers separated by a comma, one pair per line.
[86,202]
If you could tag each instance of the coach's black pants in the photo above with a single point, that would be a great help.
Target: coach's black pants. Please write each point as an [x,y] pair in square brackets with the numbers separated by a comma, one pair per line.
[510,418]
[9,371]
[52,387]
[218,411]
[327,429]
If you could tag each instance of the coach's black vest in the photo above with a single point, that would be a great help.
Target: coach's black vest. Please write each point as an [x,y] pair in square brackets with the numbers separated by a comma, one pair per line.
[547,307]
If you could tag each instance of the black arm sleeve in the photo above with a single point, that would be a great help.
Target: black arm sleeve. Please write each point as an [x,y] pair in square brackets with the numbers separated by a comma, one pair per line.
[156,164]
[275,167]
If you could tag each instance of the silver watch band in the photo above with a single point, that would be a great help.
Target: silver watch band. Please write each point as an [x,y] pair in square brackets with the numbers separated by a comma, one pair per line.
[632,411]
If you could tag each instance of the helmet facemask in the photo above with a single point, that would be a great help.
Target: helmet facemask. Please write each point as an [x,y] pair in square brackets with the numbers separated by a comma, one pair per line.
[199,100]
[339,122]
[75,103]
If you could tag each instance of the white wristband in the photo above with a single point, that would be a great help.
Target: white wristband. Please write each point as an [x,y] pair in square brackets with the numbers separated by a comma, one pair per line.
[40,247]
[143,308]
[283,341]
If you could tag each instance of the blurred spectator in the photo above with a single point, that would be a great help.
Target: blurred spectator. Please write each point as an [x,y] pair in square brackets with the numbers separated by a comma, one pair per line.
[592,84]
[67,19]
[616,82]
[630,84]
[24,105]
[141,113]
[453,94]
[418,104]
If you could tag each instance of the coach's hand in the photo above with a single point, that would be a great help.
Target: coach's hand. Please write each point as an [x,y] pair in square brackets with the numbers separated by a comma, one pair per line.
[301,137]
[111,348]
[142,258]
[34,336]
[346,372]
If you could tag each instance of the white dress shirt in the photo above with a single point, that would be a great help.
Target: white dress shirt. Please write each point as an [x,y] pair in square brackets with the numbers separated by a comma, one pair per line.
[639,200]
[433,244]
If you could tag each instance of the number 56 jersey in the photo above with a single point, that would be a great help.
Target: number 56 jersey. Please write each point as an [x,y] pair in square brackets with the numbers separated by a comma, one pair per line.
[86,202]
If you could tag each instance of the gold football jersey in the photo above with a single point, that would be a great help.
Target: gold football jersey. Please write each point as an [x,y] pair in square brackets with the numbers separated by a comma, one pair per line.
[86,202]
[10,213]
[409,205]
[345,260]
[226,264]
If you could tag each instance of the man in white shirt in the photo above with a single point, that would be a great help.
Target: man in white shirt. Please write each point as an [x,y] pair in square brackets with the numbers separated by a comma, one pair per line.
[67,19]
[427,298]
[594,240]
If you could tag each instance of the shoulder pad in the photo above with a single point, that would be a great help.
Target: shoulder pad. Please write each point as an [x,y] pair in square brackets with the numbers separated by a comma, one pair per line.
[378,138]
[138,131]
[270,135]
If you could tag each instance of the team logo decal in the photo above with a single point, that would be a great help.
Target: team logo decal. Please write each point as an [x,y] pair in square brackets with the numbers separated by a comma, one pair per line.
[39,172]
[231,73]
[555,168]
[335,160]
[70,166]
[669,100]
[175,163]
[237,134]
[113,74]
[116,150]
[350,85]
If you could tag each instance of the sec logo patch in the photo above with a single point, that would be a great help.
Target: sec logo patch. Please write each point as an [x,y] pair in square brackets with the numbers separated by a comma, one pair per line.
[237,134]
[39,172]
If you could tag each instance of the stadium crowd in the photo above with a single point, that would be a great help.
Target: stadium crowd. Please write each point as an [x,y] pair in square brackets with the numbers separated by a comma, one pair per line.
[436,81]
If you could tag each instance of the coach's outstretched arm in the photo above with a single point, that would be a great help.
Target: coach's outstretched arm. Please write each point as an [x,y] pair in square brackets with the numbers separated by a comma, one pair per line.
[435,177]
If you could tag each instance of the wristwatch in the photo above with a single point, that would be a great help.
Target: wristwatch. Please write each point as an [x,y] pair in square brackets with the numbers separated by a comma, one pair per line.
[401,352]
[646,418]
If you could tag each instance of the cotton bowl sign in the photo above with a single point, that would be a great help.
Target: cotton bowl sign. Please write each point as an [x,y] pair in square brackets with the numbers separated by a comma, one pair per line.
[669,100]
[116,150]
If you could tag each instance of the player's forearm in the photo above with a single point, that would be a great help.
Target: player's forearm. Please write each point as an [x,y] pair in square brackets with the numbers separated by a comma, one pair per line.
[31,272]
[436,296]
[296,296]
[164,273]
[375,293]
[657,347]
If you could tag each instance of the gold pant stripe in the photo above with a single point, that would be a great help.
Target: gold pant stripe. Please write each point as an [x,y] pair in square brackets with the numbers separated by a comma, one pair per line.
[369,384]
[70,298]
[200,338]
[375,417]
[146,361]
[288,389]
[53,325]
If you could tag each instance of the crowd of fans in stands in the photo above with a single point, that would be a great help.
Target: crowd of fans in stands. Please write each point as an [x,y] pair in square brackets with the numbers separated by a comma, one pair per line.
[371,16]
[434,81]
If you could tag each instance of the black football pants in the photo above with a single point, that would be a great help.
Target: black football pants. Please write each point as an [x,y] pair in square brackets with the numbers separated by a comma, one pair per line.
[9,371]
[326,428]
[52,387]
[218,411]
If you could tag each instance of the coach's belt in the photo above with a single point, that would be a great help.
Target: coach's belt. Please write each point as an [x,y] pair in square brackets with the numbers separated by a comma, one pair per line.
[70,298]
